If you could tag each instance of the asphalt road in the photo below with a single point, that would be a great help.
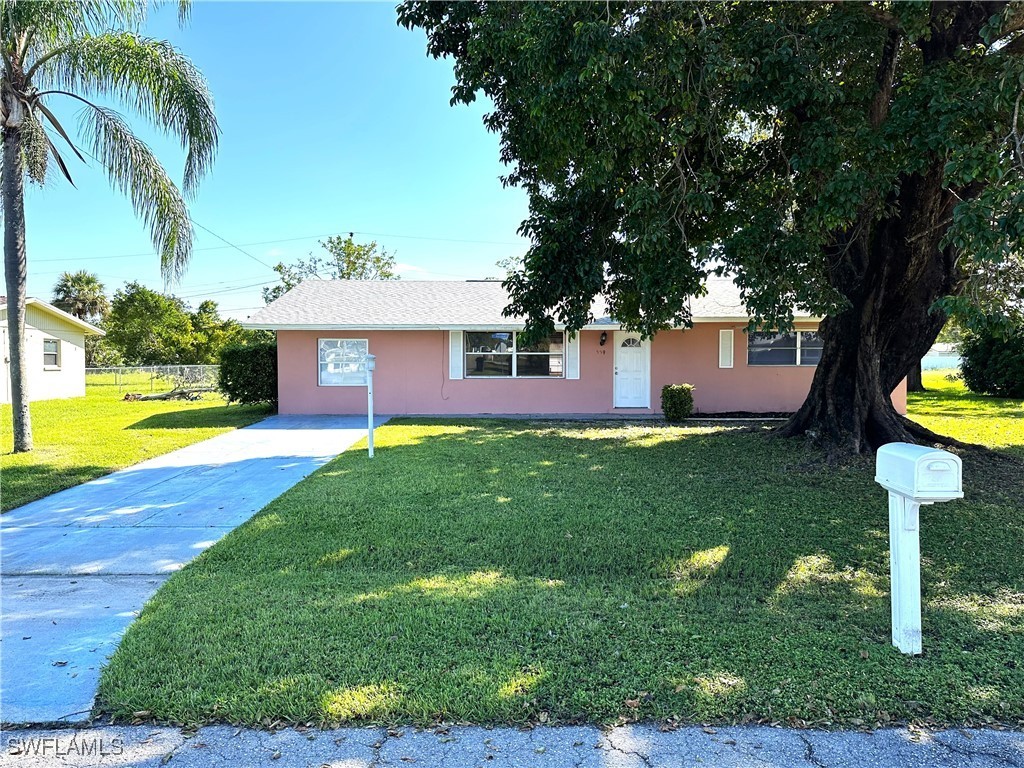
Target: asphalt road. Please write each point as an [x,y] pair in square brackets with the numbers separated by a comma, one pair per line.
[633,746]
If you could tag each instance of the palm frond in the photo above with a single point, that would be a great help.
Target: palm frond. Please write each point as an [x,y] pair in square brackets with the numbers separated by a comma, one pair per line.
[134,169]
[184,11]
[58,127]
[54,22]
[152,78]
[60,160]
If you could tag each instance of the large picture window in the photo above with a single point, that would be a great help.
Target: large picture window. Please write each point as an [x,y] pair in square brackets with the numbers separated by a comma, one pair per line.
[794,348]
[342,362]
[499,354]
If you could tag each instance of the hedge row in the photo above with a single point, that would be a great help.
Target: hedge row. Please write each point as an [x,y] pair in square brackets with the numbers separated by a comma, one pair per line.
[248,373]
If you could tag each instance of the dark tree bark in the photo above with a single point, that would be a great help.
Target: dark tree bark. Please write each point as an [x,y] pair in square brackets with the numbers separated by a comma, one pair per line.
[892,272]
[15,270]
[914,379]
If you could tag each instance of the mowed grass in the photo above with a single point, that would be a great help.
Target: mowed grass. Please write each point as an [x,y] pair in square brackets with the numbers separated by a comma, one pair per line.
[501,571]
[947,407]
[82,438]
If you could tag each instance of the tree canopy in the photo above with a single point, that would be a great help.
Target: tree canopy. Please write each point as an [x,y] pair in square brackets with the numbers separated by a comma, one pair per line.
[345,259]
[857,160]
[150,328]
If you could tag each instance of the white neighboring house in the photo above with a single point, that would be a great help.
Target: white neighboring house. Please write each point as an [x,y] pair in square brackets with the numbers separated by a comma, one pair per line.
[54,349]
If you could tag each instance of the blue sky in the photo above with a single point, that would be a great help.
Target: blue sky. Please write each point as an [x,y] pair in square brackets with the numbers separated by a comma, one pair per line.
[334,120]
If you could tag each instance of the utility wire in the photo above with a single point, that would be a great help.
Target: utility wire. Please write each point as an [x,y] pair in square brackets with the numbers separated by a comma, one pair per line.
[289,240]
[229,244]
[225,240]
[239,289]
[205,229]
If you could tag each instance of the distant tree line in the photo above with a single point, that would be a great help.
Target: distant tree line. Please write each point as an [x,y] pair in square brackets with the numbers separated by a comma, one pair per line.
[145,327]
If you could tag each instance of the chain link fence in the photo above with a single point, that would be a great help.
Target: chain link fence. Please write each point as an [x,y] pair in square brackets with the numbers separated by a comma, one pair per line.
[153,378]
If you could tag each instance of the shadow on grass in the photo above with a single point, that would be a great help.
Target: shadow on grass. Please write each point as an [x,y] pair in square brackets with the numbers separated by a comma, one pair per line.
[496,571]
[22,484]
[199,418]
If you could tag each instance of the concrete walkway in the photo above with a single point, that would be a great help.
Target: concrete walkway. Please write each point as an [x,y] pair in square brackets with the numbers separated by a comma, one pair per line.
[77,566]
[636,746]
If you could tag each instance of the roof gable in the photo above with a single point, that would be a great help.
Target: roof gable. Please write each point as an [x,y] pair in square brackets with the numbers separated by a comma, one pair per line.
[87,328]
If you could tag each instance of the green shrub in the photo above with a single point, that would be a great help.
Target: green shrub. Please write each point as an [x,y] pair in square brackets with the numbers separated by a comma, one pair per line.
[993,361]
[677,401]
[248,372]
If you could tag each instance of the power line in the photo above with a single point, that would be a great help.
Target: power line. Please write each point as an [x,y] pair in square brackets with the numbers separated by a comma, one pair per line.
[205,229]
[434,239]
[288,240]
[237,248]
[225,290]
[227,283]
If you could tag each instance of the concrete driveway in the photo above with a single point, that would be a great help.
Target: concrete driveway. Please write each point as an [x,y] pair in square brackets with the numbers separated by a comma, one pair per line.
[76,567]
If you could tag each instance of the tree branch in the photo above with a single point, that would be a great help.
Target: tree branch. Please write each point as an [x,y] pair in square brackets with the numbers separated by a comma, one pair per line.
[42,60]
[885,78]
[1013,48]
[882,16]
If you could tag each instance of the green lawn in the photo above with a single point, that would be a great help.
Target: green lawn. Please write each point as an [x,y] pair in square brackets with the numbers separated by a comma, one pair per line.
[497,571]
[949,409]
[85,437]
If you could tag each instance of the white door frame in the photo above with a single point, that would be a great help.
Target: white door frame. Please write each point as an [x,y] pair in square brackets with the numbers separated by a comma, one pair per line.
[645,356]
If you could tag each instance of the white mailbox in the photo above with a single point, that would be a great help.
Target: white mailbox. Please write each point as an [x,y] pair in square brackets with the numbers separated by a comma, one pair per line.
[925,475]
[913,475]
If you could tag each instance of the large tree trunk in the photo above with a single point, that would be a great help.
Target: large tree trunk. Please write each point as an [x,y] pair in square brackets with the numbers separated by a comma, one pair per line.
[891,272]
[15,272]
[915,381]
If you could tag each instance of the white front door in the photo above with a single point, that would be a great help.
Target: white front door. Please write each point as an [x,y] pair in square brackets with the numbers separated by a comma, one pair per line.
[632,371]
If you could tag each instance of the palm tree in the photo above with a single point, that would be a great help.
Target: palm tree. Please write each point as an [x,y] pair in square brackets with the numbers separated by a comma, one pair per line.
[81,294]
[79,52]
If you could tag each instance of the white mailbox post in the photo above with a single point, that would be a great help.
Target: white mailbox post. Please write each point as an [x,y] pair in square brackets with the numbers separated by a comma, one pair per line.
[913,475]
[371,363]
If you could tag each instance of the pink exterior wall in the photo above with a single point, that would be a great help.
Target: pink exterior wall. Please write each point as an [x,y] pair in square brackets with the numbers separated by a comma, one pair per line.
[412,377]
[691,356]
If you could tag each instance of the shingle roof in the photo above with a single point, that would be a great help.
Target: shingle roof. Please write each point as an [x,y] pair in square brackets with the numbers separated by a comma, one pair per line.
[722,300]
[432,304]
[387,303]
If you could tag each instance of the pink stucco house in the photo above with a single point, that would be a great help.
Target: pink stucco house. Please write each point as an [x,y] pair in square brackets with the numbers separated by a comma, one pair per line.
[444,347]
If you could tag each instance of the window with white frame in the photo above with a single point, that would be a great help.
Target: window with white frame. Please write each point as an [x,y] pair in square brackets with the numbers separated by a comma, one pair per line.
[793,348]
[51,353]
[342,362]
[501,354]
